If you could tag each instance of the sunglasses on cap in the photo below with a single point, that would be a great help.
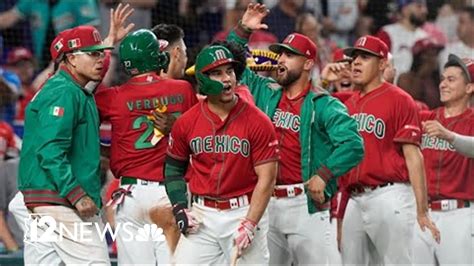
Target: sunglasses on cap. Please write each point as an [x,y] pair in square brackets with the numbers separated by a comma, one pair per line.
[93,54]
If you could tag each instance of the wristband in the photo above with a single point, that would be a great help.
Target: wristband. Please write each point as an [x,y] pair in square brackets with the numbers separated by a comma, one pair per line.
[325,83]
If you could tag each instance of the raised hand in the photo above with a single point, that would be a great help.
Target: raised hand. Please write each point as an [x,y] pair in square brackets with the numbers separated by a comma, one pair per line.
[332,71]
[117,28]
[253,16]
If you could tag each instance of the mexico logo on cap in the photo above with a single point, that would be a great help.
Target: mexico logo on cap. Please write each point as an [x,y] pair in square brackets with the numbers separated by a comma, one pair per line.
[74,43]
[361,41]
[96,36]
[220,54]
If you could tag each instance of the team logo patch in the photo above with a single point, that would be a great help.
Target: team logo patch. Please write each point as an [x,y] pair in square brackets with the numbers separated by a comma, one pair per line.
[56,111]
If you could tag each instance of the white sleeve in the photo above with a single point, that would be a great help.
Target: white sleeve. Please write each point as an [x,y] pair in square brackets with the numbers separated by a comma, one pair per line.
[464,145]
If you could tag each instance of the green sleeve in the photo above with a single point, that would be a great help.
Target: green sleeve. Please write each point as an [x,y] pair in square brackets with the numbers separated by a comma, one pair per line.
[258,85]
[344,136]
[175,184]
[57,117]
[24,7]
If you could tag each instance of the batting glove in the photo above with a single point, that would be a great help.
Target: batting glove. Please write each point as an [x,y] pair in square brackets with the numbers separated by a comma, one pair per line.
[187,222]
[244,235]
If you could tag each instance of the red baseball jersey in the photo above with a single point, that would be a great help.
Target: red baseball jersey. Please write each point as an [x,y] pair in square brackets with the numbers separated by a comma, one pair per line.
[286,120]
[244,93]
[223,153]
[21,104]
[7,139]
[342,96]
[387,118]
[126,107]
[449,174]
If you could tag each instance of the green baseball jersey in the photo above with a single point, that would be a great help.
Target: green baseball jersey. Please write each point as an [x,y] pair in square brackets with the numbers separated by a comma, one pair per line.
[64,15]
[60,156]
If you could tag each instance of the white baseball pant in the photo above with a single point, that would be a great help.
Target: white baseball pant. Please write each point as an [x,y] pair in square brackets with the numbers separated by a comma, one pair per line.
[378,226]
[457,239]
[39,253]
[296,237]
[213,244]
[133,213]
[75,251]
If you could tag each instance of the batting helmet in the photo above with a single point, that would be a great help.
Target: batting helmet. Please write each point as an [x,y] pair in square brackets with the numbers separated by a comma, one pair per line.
[140,52]
[208,59]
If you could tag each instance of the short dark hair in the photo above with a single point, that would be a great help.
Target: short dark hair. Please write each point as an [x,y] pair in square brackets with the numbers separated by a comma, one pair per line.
[454,64]
[470,11]
[239,53]
[168,32]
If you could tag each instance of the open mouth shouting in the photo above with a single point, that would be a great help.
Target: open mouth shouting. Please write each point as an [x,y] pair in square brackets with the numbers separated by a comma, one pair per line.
[281,70]
[346,84]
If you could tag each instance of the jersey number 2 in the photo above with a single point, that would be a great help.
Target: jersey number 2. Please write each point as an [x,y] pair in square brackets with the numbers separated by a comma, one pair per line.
[143,141]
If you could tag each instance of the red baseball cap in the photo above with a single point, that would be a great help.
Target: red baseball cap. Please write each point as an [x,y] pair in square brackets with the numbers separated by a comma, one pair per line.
[424,44]
[467,65]
[85,38]
[339,56]
[298,44]
[369,44]
[18,54]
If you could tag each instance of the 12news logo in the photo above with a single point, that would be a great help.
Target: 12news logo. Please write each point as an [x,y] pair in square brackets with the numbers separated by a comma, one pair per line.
[44,228]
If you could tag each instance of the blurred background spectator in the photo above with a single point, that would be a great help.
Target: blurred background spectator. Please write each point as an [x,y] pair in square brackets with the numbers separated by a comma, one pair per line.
[21,62]
[464,46]
[340,19]
[49,17]
[282,18]
[308,25]
[422,81]
[402,35]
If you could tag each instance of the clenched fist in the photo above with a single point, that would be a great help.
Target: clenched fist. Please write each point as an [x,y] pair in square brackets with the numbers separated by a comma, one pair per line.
[86,207]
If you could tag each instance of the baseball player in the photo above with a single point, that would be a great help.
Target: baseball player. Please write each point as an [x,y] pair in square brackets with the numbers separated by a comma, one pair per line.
[137,151]
[233,165]
[176,49]
[44,252]
[449,173]
[59,164]
[382,206]
[318,141]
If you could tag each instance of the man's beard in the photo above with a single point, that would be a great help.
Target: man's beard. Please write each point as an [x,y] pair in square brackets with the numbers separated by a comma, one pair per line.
[416,21]
[291,76]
